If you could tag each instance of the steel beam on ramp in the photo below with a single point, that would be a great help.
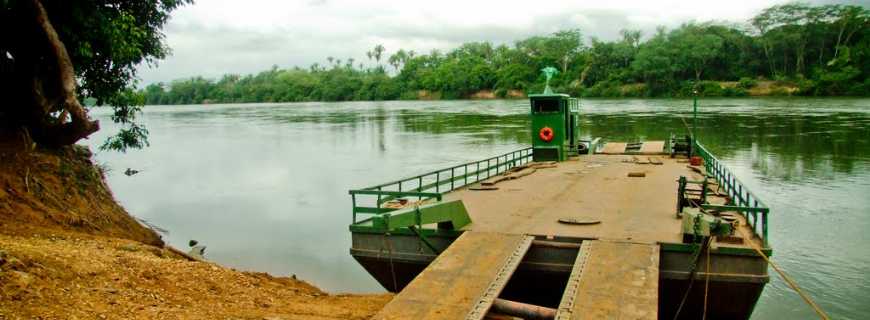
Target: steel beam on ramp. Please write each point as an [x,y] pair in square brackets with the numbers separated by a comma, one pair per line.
[612,280]
[463,281]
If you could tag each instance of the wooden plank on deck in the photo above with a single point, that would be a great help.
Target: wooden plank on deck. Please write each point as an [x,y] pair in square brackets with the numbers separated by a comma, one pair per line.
[612,280]
[463,281]
[614,148]
[652,147]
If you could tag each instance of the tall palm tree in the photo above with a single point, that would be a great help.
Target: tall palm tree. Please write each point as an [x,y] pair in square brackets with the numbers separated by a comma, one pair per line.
[378,52]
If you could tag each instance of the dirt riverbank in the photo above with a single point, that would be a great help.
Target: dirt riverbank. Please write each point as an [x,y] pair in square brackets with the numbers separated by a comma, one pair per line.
[69,251]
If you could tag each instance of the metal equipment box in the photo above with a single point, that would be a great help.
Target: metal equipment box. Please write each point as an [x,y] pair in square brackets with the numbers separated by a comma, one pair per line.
[555,118]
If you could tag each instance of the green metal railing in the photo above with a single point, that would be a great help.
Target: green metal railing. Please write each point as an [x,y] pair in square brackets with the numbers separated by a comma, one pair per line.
[743,200]
[433,185]
[574,105]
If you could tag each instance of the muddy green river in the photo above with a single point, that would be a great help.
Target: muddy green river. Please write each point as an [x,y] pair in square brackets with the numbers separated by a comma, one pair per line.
[264,186]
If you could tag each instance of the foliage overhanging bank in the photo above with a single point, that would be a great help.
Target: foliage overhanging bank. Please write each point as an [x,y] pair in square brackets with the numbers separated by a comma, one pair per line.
[53,53]
[792,49]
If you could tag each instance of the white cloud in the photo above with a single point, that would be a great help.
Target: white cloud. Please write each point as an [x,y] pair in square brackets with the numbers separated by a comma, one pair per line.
[214,37]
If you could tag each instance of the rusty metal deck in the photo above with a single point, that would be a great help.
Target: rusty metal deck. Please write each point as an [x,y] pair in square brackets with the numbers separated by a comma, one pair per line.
[463,281]
[590,188]
[612,280]
[595,187]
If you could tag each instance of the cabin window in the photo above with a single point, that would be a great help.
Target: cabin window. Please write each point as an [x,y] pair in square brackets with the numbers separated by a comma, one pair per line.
[546,106]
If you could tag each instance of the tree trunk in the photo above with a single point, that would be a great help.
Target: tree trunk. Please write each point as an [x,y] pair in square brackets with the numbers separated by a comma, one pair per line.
[766,47]
[564,64]
[585,72]
[80,126]
[799,58]
[839,38]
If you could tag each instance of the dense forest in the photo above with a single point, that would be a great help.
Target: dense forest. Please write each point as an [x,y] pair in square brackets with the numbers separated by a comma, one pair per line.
[791,49]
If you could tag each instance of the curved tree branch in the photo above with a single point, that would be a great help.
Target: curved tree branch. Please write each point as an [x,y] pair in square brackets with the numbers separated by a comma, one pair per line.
[80,126]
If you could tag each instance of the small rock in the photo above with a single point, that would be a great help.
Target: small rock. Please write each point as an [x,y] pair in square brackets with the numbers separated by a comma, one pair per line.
[197,251]
[2,257]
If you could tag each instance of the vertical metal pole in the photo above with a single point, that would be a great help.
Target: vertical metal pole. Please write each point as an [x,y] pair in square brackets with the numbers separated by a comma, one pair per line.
[764,227]
[477,172]
[695,117]
[353,198]
[379,198]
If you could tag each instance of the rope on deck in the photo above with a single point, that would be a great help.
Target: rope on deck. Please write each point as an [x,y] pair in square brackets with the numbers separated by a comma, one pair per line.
[785,277]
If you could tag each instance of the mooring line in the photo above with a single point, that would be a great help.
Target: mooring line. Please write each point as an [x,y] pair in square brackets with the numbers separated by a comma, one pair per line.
[785,277]
[704,246]
[392,268]
[706,284]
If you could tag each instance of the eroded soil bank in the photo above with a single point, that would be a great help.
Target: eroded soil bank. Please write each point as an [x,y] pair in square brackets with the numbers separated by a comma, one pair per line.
[69,251]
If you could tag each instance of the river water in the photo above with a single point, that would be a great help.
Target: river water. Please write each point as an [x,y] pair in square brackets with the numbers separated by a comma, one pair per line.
[264,186]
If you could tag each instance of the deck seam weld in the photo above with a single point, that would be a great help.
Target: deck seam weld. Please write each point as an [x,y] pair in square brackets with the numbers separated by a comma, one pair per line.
[566,306]
[481,307]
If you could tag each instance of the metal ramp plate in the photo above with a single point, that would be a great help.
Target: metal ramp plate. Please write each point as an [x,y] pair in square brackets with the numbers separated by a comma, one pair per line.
[614,148]
[463,281]
[652,147]
[612,280]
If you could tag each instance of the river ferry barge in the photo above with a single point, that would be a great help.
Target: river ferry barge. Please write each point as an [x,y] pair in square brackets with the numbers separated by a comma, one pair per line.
[567,229]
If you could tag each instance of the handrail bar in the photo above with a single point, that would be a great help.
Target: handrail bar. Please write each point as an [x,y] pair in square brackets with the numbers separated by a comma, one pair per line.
[445,169]
[744,201]
[453,177]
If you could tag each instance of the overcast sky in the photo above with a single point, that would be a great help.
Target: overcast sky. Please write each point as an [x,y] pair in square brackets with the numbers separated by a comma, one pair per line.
[215,37]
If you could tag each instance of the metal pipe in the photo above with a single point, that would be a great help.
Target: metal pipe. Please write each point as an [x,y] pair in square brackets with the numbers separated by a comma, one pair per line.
[556,244]
[522,310]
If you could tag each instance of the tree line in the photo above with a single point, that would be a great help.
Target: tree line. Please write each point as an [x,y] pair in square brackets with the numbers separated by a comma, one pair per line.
[791,49]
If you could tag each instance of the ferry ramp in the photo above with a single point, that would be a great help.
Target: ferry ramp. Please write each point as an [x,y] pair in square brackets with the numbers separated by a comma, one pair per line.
[463,281]
[610,280]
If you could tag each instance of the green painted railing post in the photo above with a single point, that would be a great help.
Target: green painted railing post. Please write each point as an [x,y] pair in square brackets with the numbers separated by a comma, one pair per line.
[353,199]
[379,198]
[764,227]
[477,172]
[695,117]
[420,186]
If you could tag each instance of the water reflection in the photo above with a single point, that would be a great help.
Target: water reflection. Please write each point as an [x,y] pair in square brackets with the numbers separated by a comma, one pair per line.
[265,186]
